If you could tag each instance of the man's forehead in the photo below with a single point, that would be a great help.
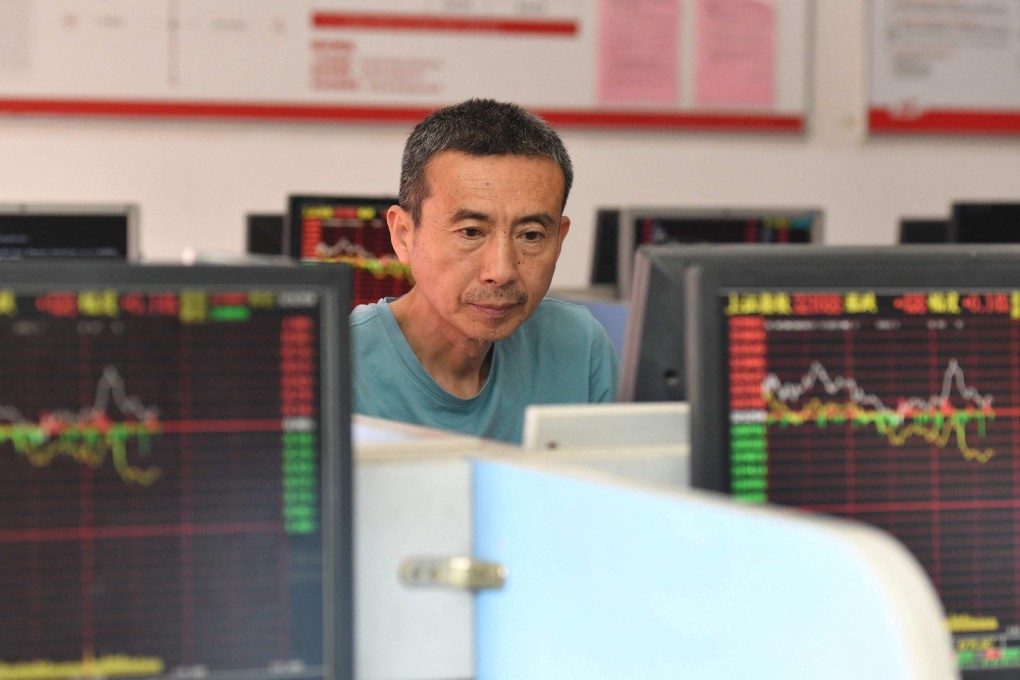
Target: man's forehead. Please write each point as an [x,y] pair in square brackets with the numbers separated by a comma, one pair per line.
[453,157]
[468,169]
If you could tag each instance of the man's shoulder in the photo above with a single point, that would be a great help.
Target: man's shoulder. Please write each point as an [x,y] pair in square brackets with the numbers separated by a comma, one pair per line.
[559,318]
[366,313]
[562,311]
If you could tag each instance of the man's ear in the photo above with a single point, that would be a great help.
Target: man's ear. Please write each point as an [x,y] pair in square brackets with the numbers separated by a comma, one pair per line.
[401,232]
[564,228]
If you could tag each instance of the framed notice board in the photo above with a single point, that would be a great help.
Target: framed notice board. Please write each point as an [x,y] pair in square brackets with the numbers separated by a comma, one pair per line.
[945,67]
[698,64]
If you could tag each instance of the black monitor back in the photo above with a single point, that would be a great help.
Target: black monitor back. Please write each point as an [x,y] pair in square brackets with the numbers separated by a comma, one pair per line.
[924,230]
[605,252]
[265,234]
[86,231]
[985,222]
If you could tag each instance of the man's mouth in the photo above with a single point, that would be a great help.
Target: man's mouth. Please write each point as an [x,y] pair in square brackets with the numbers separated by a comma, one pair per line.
[494,310]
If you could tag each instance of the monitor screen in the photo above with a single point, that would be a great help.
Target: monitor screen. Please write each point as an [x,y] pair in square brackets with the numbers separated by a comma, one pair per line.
[887,392]
[175,472]
[658,226]
[986,222]
[351,230]
[30,231]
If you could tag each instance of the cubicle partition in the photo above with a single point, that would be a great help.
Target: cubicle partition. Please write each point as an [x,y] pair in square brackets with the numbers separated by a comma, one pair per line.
[482,560]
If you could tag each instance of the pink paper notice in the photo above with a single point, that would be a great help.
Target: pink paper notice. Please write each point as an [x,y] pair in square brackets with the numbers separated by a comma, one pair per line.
[735,59]
[637,51]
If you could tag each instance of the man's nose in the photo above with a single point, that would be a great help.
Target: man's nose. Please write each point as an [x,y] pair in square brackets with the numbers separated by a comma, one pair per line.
[499,261]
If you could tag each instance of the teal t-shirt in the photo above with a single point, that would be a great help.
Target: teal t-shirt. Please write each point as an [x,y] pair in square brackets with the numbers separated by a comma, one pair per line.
[559,355]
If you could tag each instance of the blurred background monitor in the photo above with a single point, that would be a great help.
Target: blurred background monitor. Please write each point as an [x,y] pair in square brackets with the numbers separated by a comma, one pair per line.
[985,222]
[35,231]
[924,230]
[264,234]
[638,226]
[886,390]
[175,480]
[652,364]
[352,230]
[604,259]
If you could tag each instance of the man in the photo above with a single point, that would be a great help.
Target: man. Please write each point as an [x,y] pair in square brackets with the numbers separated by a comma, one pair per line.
[480,223]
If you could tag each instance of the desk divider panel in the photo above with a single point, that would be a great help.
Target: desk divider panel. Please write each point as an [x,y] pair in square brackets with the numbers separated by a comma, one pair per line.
[609,581]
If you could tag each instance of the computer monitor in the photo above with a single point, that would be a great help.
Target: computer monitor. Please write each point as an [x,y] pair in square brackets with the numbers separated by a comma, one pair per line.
[924,230]
[264,233]
[351,230]
[652,361]
[657,226]
[605,250]
[985,222]
[34,231]
[884,390]
[175,472]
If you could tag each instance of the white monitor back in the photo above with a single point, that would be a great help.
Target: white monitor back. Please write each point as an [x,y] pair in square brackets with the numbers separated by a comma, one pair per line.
[645,441]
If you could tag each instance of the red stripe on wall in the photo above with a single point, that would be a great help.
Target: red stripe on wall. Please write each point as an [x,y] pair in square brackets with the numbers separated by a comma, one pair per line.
[377,114]
[146,109]
[404,22]
[883,120]
[677,121]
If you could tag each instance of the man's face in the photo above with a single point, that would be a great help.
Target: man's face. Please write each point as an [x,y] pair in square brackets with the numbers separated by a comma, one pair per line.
[484,253]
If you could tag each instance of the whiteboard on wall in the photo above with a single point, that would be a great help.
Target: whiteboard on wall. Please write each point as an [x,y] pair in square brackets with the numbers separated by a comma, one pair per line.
[945,66]
[699,64]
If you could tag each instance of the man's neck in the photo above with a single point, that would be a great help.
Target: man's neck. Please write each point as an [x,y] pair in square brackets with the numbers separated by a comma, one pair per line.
[459,365]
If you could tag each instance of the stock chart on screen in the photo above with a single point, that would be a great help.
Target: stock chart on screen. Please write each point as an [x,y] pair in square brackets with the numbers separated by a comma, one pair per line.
[351,230]
[162,457]
[898,406]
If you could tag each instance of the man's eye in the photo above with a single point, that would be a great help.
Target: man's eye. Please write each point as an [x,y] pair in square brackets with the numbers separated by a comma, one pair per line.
[533,236]
[471,232]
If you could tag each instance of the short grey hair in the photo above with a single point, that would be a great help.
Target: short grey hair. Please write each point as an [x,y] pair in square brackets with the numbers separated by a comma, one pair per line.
[477,127]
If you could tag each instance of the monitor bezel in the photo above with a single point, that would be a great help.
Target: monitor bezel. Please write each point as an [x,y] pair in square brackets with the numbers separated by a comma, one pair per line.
[659,281]
[627,245]
[334,284]
[131,212]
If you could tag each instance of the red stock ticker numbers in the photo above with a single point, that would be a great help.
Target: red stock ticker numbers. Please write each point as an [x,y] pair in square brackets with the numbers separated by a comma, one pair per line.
[899,408]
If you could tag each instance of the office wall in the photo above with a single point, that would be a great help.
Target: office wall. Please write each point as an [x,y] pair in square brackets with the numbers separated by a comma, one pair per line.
[195,180]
